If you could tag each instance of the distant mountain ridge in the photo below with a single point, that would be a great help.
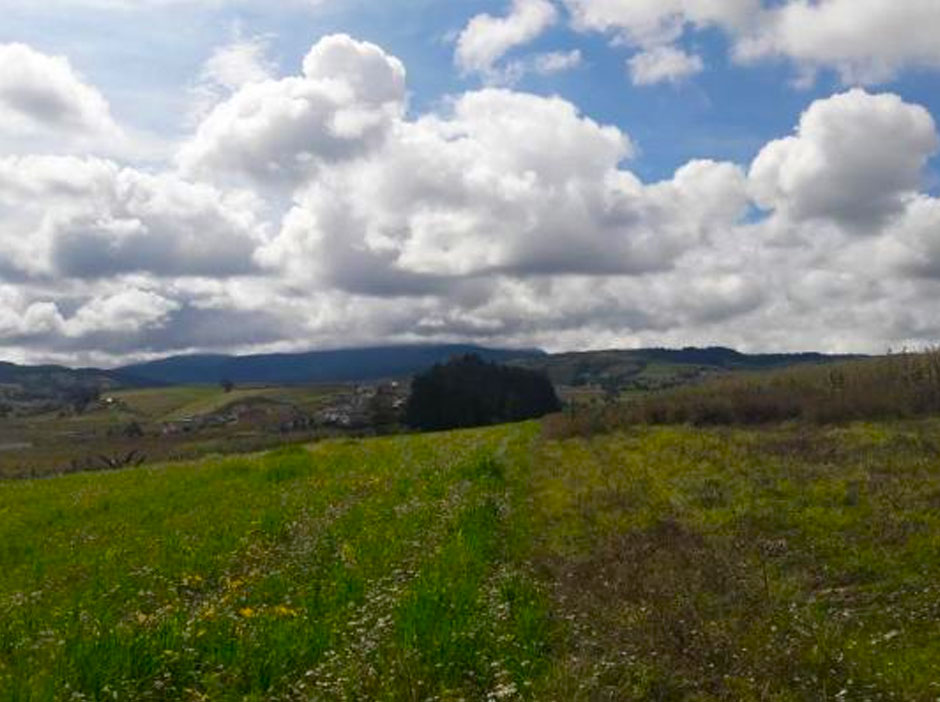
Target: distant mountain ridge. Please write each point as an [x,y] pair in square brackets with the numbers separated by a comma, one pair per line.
[342,365]
[375,363]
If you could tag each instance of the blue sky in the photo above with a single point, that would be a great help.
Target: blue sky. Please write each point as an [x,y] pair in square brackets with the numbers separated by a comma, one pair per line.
[144,60]
[670,119]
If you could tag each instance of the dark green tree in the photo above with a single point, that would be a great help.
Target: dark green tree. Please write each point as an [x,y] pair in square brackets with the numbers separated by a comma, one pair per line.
[80,397]
[468,392]
[382,409]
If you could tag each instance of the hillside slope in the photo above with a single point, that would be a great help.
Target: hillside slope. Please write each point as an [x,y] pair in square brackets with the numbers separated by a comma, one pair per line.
[30,389]
[656,368]
[343,365]
[37,377]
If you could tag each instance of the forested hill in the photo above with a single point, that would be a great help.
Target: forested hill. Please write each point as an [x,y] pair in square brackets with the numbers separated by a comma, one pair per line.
[344,365]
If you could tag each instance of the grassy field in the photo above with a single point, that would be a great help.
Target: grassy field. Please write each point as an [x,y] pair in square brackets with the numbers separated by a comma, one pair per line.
[656,563]
[371,570]
[172,403]
[792,563]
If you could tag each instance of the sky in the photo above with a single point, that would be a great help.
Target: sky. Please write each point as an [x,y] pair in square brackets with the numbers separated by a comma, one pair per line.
[181,176]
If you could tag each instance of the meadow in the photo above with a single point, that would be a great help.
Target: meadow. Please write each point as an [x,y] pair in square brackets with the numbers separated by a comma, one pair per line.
[786,563]
[369,570]
[792,562]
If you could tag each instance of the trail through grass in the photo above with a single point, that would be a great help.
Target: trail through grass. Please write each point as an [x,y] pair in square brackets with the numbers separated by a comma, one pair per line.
[371,570]
[784,564]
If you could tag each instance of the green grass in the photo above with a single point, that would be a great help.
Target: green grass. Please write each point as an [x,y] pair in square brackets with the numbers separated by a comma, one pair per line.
[168,404]
[369,570]
[157,403]
[791,563]
[782,564]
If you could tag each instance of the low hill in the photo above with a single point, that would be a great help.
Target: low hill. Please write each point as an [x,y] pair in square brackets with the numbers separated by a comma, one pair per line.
[36,376]
[344,365]
[657,368]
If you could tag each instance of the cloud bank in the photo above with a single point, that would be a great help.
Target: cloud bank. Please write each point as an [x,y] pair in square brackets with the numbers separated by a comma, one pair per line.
[316,209]
[864,42]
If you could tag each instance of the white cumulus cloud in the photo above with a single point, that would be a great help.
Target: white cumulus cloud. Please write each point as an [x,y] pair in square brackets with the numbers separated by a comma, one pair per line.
[45,102]
[650,23]
[664,64]
[283,130]
[855,159]
[317,210]
[486,39]
[863,41]
[91,218]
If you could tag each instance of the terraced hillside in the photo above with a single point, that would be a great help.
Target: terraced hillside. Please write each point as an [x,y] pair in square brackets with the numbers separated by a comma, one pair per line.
[669,563]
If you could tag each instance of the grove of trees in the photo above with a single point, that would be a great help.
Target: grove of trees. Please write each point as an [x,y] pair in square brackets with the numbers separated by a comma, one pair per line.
[468,392]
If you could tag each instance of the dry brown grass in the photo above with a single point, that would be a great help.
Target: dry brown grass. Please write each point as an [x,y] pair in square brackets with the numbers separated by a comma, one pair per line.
[898,386]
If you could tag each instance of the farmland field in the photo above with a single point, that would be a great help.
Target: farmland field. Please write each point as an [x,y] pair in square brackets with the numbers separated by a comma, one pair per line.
[669,563]
[52,442]
[167,404]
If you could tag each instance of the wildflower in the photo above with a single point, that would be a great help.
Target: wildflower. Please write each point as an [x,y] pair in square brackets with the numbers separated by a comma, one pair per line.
[246,612]
[348,555]
[503,691]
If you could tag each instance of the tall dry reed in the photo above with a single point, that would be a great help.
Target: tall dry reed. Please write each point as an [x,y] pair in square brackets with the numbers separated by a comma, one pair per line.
[895,386]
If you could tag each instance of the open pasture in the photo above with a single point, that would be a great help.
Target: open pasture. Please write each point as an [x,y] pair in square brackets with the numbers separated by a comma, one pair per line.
[381,569]
[789,563]
[178,402]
